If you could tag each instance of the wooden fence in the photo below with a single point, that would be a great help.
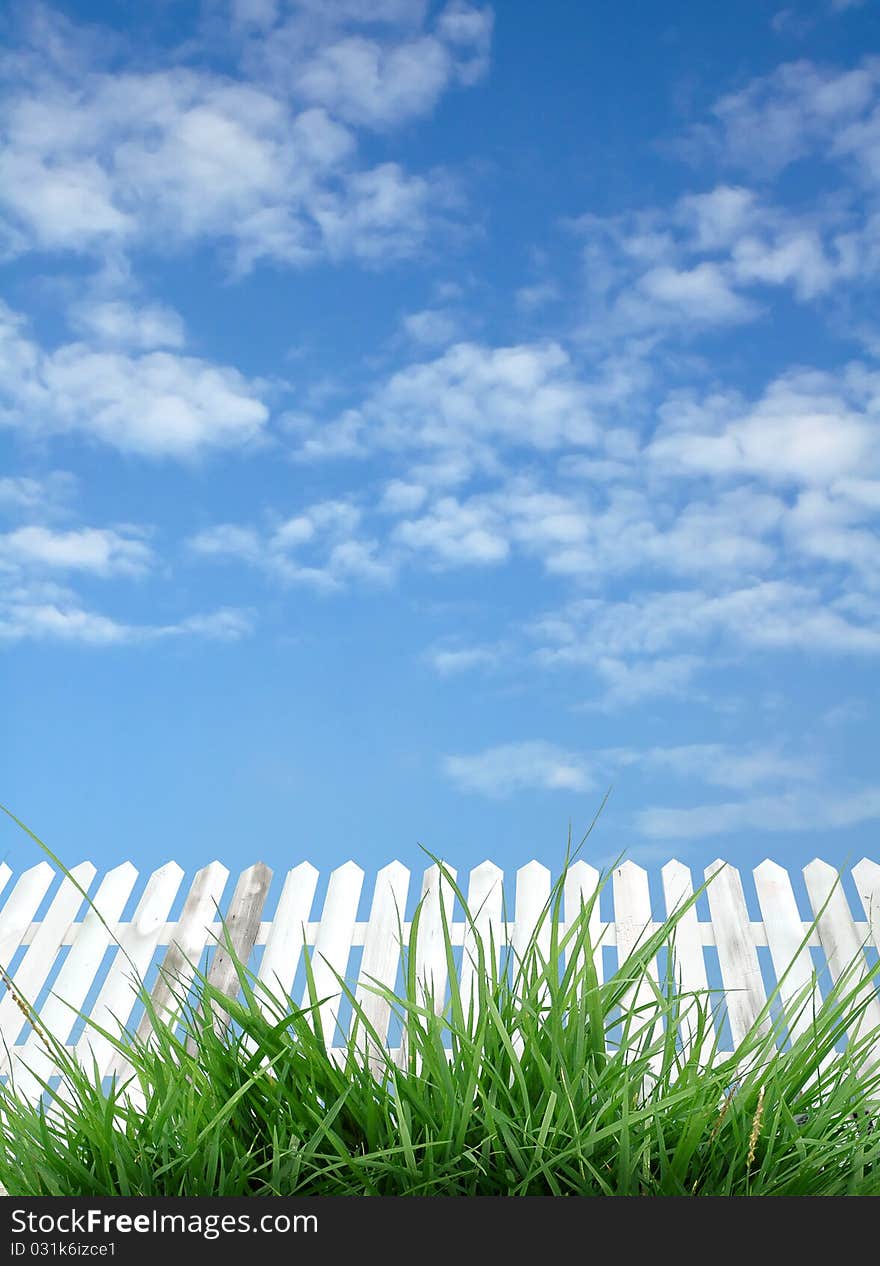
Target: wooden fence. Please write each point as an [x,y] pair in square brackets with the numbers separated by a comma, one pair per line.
[78,958]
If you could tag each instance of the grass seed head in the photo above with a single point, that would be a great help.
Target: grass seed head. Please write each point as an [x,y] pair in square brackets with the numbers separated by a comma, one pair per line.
[756,1129]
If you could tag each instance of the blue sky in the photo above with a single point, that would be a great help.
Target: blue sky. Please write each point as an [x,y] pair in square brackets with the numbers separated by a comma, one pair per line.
[417,419]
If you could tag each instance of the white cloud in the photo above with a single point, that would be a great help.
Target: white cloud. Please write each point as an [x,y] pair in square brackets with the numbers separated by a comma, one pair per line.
[797,258]
[227,540]
[105,160]
[465,400]
[257,13]
[797,107]
[718,765]
[62,205]
[319,547]
[390,72]
[574,534]
[846,712]
[401,497]
[707,260]
[864,493]
[47,622]
[431,326]
[99,551]
[790,22]
[808,427]
[376,215]
[720,538]
[627,683]
[407,14]
[570,534]
[511,767]
[158,404]
[48,496]
[771,614]
[118,323]
[456,534]
[359,560]
[834,529]
[468,30]
[719,218]
[640,511]
[447,661]
[228,624]
[795,810]
[365,84]
[700,294]
[532,298]
[51,613]
[500,771]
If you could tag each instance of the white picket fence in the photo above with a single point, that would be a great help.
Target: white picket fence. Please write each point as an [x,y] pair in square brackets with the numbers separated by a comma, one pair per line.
[79,957]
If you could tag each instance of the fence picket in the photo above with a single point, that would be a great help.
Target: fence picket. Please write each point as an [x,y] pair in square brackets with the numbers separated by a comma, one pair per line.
[187,945]
[633,925]
[690,960]
[867,880]
[242,922]
[532,894]
[137,944]
[39,957]
[841,942]
[287,934]
[485,904]
[333,943]
[737,955]
[20,908]
[382,950]
[785,934]
[431,971]
[59,1011]
[866,875]
[580,883]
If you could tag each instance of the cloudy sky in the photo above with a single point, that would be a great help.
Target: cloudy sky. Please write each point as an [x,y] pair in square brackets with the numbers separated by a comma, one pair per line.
[417,419]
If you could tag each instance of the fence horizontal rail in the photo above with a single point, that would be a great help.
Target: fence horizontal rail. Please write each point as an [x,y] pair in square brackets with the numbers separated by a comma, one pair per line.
[77,959]
[756,930]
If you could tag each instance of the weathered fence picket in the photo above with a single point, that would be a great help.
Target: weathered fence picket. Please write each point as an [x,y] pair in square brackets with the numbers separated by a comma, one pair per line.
[242,924]
[190,937]
[63,954]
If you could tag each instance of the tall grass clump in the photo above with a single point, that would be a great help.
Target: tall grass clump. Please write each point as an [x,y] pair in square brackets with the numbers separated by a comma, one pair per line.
[545,1081]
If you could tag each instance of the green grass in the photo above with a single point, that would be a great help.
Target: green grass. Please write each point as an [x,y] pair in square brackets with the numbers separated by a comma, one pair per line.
[523,1093]
[546,1082]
